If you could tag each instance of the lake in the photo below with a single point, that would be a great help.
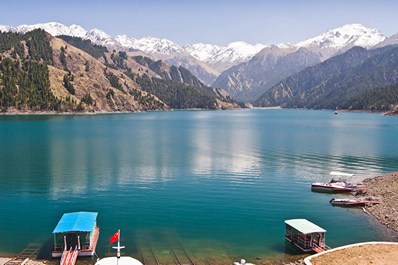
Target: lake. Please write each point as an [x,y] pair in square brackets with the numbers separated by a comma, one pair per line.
[220,182]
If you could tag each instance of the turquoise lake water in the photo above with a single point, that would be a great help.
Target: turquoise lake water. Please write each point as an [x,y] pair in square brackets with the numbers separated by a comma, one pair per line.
[221,182]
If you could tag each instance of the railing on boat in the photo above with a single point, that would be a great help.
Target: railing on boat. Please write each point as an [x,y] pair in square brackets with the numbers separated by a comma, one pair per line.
[319,249]
[95,238]
[69,257]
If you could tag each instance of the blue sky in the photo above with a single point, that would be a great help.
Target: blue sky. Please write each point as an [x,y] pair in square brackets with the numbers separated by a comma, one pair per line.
[207,21]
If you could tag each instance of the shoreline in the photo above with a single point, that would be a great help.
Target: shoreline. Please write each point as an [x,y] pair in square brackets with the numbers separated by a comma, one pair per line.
[386,214]
[375,253]
[34,113]
[213,260]
[4,260]
[384,187]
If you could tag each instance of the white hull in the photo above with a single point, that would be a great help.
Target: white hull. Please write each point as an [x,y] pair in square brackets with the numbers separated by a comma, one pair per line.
[124,260]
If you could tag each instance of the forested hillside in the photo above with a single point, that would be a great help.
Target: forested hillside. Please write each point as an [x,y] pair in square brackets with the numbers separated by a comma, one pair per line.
[24,77]
[39,72]
[378,99]
[177,87]
[336,81]
[94,50]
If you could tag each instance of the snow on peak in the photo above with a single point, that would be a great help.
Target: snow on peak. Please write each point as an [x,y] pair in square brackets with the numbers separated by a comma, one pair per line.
[99,37]
[4,28]
[203,52]
[54,28]
[150,45]
[125,41]
[346,36]
[77,31]
[161,46]
[234,52]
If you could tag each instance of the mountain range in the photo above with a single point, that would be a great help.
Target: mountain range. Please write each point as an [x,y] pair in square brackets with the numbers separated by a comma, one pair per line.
[247,81]
[40,72]
[246,72]
[336,81]
[206,61]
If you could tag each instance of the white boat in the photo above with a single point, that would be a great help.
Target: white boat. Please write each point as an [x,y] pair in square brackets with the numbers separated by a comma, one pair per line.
[340,184]
[118,260]
[124,260]
[354,202]
[333,187]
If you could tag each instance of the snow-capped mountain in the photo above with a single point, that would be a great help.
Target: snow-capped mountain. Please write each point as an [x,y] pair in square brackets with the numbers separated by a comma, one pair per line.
[151,45]
[258,74]
[100,37]
[214,56]
[53,28]
[203,52]
[207,61]
[343,38]
[348,35]
[204,60]
[222,58]
[170,52]
[392,40]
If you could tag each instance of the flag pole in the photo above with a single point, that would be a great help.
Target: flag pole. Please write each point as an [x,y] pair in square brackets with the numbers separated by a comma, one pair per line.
[118,248]
[118,244]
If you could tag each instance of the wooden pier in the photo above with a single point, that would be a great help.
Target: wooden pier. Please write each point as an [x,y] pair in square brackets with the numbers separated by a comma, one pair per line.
[29,252]
[162,250]
[148,256]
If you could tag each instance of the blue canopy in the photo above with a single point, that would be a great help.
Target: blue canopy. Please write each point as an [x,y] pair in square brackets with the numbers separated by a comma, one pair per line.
[76,222]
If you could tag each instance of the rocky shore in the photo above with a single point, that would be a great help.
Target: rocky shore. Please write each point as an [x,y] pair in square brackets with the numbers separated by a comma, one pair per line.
[377,253]
[386,188]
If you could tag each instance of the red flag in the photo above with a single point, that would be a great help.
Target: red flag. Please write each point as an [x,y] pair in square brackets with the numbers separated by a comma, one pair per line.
[114,238]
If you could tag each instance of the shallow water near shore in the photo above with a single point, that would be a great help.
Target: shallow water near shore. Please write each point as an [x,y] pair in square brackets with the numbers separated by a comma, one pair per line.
[221,183]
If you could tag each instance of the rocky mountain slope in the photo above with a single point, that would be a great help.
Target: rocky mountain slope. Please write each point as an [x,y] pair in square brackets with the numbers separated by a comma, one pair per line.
[190,56]
[221,58]
[169,52]
[392,40]
[341,39]
[245,71]
[248,80]
[88,78]
[337,81]
[53,28]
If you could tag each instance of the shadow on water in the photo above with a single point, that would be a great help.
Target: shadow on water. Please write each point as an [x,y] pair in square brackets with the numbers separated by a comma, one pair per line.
[45,250]
[45,254]
[290,249]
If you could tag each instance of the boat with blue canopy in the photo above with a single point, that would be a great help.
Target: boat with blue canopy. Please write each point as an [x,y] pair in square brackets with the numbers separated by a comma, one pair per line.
[76,234]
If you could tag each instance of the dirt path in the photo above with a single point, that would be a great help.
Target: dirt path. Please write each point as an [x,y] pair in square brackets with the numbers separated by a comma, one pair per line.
[379,254]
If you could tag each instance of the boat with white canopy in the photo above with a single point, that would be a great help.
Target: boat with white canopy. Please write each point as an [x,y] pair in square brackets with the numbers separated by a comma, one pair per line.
[339,183]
